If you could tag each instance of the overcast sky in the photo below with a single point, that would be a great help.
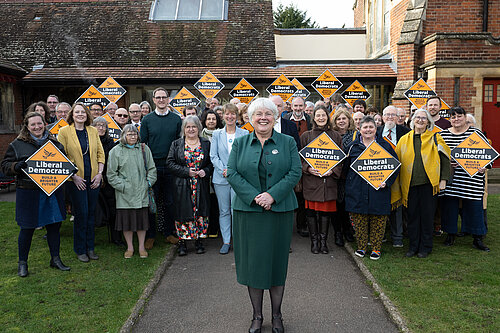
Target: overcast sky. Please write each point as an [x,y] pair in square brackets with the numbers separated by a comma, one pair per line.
[327,13]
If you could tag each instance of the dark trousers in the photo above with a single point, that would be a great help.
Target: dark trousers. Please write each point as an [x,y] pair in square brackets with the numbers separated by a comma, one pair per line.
[165,204]
[53,239]
[84,206]
[396,222]
[472,215]
[421,209]
[300,212]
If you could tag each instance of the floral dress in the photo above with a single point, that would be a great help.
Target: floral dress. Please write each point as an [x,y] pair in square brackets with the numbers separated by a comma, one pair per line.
[198,227]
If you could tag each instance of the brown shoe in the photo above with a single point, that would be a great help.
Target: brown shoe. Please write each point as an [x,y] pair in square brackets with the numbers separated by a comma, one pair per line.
[148,245]
[143,254]
[172,240]
[128,254]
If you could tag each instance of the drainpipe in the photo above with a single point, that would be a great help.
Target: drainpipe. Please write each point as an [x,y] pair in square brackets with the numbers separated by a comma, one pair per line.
[485,15]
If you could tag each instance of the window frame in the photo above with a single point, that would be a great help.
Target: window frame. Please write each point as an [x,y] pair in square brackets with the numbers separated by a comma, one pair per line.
[154,7]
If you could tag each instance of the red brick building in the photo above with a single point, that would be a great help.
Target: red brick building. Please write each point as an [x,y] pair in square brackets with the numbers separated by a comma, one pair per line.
[453,45]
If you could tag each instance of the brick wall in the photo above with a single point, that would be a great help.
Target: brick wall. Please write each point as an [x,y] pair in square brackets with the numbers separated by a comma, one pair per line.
[398,14]
[359,14]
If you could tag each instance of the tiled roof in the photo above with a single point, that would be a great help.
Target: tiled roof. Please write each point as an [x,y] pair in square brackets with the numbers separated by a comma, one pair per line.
[9,67]
[144,73]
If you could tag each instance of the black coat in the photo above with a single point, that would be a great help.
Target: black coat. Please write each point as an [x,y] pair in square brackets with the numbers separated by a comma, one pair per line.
[176,165]
[288,127]
[400,131]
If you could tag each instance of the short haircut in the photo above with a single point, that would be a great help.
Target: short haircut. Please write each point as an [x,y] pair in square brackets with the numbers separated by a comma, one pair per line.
[100,119]
[62,103]
[160,89]
[359,102]
[96,103]
[230,107]
[430,124]
[191,107]
[336,99]
[434,97]
[129,128]
[134,104]
[390,107]
[194,120]
[471,119]
[457,110]
[309,104]
[54,96]
[264,103]
[298,97]
[367,119]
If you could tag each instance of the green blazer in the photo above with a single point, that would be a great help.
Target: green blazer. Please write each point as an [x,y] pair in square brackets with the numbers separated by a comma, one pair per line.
[283,171]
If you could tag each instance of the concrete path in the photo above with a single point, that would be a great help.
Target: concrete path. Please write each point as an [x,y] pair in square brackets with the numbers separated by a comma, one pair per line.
[324,293]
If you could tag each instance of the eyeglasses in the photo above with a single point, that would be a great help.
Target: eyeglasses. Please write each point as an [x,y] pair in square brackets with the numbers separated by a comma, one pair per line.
[121,115]
[421,118]
[161,97]
[100,125]
[95,109]
[131,134]
[134,111]
[401,116]
[390,115]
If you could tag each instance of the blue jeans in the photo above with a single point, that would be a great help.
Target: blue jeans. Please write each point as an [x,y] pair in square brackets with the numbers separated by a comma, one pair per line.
[165,204]
[84,206]
[225,198]
[472,215]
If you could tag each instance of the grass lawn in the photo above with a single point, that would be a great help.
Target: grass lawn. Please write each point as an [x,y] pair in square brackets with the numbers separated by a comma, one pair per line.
[456,289]
[92,297]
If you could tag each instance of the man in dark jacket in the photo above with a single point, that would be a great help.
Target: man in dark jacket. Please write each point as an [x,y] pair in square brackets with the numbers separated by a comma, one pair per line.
[391,132]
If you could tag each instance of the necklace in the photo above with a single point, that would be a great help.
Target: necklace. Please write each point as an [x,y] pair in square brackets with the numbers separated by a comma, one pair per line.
[86,141]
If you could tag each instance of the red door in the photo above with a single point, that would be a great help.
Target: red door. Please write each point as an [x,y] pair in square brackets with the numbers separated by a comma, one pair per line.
[491,113]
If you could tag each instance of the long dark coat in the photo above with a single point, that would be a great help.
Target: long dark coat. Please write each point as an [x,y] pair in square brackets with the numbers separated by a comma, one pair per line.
[176,165]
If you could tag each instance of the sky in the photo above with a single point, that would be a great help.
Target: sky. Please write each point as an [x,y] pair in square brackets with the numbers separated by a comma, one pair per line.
[327,13]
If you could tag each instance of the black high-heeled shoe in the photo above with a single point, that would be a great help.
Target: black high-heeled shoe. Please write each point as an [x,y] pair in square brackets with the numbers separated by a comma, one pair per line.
[56,262]
[278,328]
[256,330]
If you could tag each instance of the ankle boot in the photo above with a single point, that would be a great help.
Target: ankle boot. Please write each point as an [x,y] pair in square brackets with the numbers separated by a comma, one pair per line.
[182,248]
[337,228]
[57,263]
[22,268]
[200,249]
[339,239]
[478,243]
[324,221]
[450,240]
[313,233]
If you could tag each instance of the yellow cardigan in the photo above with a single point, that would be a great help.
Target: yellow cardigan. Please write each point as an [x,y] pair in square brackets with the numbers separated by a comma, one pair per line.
[67,136]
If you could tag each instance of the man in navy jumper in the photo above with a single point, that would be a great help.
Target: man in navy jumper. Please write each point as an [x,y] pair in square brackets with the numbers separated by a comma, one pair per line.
[158,130]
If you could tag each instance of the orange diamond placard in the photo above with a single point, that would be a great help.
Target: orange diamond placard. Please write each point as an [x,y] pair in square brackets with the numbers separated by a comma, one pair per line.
[92,95]
[184,98]
[244,91]
[322,153]
[49,168]
[375,165]
[282,87]
[248,127]
[474,153]
[111,89]
[57,126]
[113,129]
[354,92]
[301,90]
[326,84]
[209,86]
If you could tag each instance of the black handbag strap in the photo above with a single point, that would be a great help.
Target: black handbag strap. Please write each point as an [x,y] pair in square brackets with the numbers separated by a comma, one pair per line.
[144,158]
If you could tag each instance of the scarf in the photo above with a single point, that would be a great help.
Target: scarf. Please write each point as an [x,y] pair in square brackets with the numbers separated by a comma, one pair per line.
[42,140]
[432,144]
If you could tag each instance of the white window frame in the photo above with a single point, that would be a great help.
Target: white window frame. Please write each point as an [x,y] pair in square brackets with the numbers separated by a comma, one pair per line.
[223,17]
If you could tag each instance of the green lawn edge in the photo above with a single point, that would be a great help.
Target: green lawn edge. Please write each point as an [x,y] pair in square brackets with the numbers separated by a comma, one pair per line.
[93,297]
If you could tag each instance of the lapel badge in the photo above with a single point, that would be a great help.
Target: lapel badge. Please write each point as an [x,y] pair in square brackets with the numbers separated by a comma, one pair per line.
[275,151]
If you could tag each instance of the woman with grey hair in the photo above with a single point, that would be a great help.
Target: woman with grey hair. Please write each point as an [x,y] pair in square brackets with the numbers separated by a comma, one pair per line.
[131,170]
[189,162]
[145,108]
[425,168]
[263,168]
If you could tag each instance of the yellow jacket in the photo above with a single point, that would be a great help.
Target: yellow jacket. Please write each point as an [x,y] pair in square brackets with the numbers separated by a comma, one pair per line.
[67,136]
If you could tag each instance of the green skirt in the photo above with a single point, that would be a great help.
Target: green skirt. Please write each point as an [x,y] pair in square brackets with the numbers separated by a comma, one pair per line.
[261,242]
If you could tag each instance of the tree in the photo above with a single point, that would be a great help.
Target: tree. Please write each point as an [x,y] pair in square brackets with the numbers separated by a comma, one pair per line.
[290,17]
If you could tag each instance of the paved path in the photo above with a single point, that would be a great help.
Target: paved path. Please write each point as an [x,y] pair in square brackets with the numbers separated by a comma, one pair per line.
[324,293]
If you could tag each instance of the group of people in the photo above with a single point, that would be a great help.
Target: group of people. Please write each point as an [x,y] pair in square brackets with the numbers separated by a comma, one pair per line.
[205,171]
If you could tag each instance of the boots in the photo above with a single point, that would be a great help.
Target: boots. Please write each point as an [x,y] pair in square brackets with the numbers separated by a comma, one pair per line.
[450,240]
[57,263]
[313,233]
[478,243]
[22,268]
[182,248]
[324,221]
[198,244]
[337,228]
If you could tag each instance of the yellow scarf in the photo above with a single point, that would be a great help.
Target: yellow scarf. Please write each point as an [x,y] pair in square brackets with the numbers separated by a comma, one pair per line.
[432,144]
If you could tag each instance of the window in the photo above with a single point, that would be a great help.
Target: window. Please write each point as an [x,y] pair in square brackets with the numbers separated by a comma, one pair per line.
[188,10]
[379,13]
[488,93]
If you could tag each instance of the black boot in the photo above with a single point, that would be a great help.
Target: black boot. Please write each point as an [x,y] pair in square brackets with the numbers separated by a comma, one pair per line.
[450,240]
[339,239]
[324,222]
[478,243]
[337,228]
[22,268]
[182,248]
[313,233]
[200,249]
[57,263]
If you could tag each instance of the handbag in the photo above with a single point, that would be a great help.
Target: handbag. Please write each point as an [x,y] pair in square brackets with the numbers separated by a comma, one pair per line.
[151,193]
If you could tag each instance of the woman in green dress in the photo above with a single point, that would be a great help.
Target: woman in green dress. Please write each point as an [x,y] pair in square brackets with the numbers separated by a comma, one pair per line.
[263,169]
